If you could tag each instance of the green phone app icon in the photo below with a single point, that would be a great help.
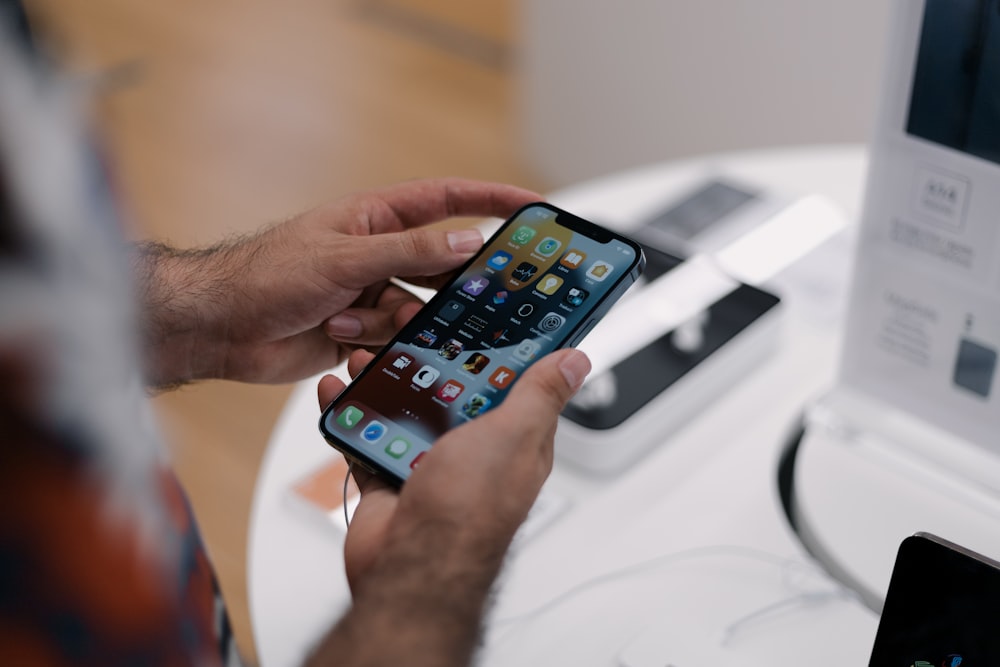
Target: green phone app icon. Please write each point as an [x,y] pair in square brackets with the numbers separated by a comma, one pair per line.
[350,417]
[523,235]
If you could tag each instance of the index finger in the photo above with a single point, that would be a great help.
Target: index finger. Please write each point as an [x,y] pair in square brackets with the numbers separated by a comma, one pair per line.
[420,202]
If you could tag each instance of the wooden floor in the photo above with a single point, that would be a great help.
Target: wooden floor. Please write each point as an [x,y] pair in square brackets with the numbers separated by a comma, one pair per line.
[223,116]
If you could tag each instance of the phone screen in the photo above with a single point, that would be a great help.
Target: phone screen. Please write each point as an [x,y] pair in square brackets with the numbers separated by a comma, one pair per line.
[942,608]
[539,284]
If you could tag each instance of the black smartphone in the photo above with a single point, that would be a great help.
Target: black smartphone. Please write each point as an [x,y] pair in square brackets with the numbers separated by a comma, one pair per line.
[540,283]
[942,607]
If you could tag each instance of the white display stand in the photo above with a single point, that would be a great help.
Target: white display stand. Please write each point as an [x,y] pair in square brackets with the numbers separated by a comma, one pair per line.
[909,440]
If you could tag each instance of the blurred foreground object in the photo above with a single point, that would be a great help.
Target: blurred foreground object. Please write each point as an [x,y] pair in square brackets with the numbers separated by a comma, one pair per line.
[102,560]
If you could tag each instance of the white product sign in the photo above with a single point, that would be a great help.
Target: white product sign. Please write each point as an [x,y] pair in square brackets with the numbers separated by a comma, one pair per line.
[923,333]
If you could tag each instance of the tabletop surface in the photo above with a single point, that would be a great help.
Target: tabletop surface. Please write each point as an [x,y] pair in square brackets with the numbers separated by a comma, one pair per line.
[685,556]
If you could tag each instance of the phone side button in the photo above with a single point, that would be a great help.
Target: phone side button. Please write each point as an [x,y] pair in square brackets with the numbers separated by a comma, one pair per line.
[583,332]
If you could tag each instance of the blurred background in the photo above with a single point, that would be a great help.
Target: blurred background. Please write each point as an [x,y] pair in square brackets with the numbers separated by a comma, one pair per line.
[222,116]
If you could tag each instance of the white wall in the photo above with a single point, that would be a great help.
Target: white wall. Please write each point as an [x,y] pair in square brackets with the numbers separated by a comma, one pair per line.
[607,85]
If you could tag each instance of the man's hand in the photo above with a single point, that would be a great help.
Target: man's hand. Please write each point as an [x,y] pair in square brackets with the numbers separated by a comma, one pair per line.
[296,298]
[421,561]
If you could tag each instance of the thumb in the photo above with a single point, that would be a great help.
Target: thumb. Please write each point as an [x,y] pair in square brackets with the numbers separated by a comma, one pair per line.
[545,388]
[414,252]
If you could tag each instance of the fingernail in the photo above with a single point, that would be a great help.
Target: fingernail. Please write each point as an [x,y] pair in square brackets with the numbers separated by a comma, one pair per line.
[575,366]
[465,240]
[343,326]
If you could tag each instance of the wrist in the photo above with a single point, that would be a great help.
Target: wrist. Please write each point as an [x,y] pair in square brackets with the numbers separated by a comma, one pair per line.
[181,297]
[428,594]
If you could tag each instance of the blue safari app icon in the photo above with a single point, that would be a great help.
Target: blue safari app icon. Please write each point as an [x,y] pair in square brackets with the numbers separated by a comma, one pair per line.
[374,431]
[499,260]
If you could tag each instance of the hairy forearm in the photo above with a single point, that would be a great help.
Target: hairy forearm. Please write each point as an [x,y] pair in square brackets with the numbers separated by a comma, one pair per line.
[183,297]
[397,627]
[422,604]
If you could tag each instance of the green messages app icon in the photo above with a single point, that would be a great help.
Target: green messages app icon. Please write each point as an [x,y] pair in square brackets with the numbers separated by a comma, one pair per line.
[350,417]
[523,235]
[397,448]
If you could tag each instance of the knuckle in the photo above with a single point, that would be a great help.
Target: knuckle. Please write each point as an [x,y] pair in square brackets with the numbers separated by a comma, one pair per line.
[417,243]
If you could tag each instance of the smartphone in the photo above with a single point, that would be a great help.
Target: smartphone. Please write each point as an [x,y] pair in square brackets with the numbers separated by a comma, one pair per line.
[942,607]
[540,283]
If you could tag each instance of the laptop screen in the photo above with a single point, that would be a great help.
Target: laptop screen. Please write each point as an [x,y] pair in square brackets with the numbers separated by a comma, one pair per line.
[942,608]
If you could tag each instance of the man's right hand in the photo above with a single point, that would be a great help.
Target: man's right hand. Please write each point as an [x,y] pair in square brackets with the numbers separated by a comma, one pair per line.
[421,561]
